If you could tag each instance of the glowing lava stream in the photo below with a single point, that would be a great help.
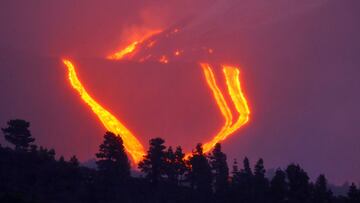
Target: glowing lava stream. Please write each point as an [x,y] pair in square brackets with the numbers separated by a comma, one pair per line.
[238,98]
[131,143]
[132,46]
[111,123]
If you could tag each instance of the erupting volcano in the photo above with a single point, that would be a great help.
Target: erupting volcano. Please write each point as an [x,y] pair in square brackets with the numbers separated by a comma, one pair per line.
[131,143]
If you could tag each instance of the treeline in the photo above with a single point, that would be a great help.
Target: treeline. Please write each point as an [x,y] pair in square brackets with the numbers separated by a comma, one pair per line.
[29,173]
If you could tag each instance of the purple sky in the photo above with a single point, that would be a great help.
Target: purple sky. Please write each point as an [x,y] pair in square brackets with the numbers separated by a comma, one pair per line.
[299,63]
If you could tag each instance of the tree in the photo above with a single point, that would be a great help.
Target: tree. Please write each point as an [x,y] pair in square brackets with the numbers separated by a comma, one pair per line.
[247,169]
[113,162]
[261,183]
[279,187]
[220,169]
[353,194]
[180,165]
[170,165]
[74,161]
[321,192]
[154,162]
[18,134]
[235,173]
[260,169]
[175,165]
[46,154]
[200,175]
[299,187]
[245,187]
[62,160]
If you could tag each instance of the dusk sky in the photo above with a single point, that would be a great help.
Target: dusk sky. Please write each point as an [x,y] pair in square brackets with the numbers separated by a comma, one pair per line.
[299,63]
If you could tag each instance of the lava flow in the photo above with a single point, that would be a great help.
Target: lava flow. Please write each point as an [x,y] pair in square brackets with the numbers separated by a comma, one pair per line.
[110,122]
[131,48]
[131,143]
[237,97]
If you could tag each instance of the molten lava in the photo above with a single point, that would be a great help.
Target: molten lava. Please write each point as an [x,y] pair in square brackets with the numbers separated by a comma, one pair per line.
[131,143]
[110,122]
[131,48]
[164,59]
[237,97]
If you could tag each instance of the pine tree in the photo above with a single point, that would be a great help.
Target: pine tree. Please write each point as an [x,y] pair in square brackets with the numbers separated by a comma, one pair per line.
[261,183]
[299,187]
[321,192]
[353,194]
[247,169]
[18,134]
[154,162]
[113,162]
[235,174]
[260,169]
[180,165]
[170,169]
[245,186]
[220,169]
[74,161]
[200,175]
[175,165]
[279,187]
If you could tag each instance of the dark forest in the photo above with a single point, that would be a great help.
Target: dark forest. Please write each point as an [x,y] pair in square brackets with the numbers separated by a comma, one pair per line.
[32,173]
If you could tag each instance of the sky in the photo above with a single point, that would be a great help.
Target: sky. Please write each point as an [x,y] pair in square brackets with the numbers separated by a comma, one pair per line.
[299,70]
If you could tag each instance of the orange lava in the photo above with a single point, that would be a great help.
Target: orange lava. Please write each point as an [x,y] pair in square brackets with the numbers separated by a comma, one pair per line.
[131,48]
[131,143]
[163,59]
[237,97]
[110,122]
[177,53]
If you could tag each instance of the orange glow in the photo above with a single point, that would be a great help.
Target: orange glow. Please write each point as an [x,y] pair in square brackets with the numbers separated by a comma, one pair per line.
[237,97]
[177,53]
[131,48]
[151,44]
[110,122]
[163,59]
[232,122]
[122,53]
[222,104]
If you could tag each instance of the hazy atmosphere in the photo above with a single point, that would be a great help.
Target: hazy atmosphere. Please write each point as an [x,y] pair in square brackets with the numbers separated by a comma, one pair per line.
[299,68]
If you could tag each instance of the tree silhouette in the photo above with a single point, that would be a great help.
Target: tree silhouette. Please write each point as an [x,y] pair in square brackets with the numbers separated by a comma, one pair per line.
[299,187]
[261,183]
[18,134]
[74,161]
[353,194]
[247,169]
[30,173]
[113,162]
[321,192]
[235,173]
[154,162]
[170,170]
[180,165]
[200,175]
[245,183]
[279,187]
[175,165]
[220,169]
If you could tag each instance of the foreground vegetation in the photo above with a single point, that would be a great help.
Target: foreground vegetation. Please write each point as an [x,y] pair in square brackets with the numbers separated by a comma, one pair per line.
[29,173]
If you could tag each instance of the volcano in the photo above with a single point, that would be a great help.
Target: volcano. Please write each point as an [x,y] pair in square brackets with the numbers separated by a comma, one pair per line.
[298,63]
